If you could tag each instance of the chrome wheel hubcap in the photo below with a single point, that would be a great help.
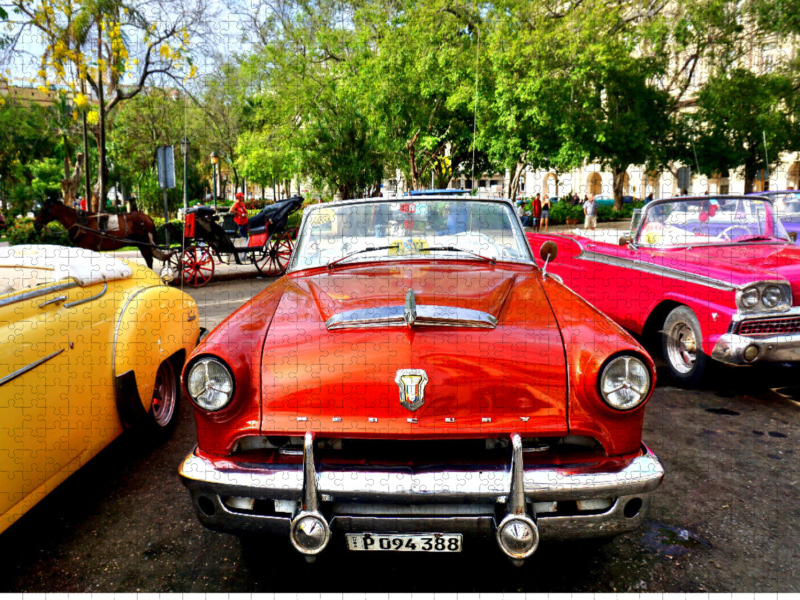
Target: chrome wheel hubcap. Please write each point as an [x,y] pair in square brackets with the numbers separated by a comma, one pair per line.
[682,347]
[164,394]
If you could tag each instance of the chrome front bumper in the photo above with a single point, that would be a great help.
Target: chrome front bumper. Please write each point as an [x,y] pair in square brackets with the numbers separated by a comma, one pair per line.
[730,349]
[474,501]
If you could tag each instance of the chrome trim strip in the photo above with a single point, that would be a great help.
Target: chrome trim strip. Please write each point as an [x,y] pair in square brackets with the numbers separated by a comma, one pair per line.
[19,372]
[426,315]
[55,300]
[739,317]
[89,299]
[37,293]
[668,272]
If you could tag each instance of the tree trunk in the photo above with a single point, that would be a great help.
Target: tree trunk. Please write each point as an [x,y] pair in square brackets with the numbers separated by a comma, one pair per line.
[519,169]
[412,161]
[102,169]
[619,184]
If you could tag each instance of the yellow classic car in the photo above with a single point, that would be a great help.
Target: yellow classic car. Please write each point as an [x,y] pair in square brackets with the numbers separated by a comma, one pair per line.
[89,345]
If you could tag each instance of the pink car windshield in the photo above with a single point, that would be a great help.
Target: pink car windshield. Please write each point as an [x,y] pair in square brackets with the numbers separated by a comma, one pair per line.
[715,220]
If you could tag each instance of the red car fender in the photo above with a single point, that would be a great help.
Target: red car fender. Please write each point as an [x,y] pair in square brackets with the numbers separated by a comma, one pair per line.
[590,340]
[238,341]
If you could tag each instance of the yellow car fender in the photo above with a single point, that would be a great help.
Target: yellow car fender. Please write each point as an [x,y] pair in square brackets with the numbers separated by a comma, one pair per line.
[155,324]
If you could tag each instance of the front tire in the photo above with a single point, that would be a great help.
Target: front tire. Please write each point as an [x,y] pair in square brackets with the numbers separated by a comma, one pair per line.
[682,346]
[163,414]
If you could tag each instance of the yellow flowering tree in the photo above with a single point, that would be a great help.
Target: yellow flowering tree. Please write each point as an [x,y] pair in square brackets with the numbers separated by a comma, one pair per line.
[105,51]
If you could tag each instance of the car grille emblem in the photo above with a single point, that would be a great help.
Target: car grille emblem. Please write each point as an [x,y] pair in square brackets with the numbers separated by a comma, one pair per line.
[412,384]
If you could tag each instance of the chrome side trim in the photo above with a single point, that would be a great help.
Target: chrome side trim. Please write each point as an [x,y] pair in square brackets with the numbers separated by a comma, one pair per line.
[668,272]
[19,372]
[38,293]
[425,315]
[89,299]
[55,300]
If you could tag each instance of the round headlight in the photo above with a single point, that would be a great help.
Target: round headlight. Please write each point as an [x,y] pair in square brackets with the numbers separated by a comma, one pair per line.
[750,297]
[772,296]
[625,382]
[210,384]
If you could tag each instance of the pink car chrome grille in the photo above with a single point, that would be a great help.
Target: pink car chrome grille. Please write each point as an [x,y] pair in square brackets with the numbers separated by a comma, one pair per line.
[769,327]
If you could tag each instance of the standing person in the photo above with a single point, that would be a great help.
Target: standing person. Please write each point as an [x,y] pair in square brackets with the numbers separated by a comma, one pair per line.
[537,211]
[520,210]
[240,214]
[590,213]
[545,213]
[575,199]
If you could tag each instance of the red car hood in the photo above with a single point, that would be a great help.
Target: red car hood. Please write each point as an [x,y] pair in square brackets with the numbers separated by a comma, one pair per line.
[736,264]
[481,381]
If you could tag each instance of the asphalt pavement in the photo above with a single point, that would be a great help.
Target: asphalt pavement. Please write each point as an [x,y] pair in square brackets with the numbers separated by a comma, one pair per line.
[727,517]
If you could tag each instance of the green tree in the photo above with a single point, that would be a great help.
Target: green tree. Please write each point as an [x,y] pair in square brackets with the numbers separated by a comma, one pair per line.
[744,120]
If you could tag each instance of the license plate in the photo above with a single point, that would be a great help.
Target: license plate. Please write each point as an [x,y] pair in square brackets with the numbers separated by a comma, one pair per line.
[405,542]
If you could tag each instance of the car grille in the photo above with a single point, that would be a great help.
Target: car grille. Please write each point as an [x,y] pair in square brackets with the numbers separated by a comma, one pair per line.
[770,327]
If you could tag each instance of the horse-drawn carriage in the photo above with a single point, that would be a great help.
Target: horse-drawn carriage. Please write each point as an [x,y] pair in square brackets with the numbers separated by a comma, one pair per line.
[269,245]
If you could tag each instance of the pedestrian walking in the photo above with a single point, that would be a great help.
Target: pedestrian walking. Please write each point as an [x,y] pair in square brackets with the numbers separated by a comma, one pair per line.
[590,213]
[536,207]
[240,214]
[545,213]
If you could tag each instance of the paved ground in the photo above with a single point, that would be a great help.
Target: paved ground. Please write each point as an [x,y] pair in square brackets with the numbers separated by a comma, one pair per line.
[726,519]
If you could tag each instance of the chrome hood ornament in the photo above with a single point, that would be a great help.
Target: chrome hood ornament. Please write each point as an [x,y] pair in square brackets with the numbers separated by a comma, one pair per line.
[410,308]
[412,384]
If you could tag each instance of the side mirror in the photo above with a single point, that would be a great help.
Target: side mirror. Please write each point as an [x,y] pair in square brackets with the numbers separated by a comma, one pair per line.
[548,251]
[625,240]
[793,236]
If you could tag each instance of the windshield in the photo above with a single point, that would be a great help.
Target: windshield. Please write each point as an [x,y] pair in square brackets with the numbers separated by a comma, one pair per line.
[435,228]
[787,204]
[708,221]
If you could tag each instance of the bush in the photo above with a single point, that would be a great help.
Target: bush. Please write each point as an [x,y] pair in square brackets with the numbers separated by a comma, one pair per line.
[21,231]
[175,234]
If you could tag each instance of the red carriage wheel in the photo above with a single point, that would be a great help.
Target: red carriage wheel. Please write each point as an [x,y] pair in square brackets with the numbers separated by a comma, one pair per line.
[197,266]
[275,259]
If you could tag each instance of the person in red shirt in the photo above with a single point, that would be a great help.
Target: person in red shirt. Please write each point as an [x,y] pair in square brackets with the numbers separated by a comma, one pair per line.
[240,214]
[537,212]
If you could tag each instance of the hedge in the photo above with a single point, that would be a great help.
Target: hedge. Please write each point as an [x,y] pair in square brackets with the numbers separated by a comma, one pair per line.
[22,231]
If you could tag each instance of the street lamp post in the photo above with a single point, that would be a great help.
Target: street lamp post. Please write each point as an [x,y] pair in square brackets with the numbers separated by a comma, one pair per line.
[185,148]
[214,161]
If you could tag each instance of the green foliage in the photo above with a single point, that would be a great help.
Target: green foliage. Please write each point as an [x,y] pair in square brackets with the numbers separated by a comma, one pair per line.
[737,114]
[47,174]
[22,231]
[151,197]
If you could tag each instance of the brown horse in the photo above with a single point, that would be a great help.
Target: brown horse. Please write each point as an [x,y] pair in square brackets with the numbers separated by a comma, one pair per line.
[101,232]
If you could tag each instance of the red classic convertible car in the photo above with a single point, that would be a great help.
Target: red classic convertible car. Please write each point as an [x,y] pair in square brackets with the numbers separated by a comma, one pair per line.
[716,277]
[415,381]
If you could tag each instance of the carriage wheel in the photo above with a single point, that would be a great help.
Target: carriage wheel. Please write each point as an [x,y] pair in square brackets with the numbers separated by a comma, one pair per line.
[275,259]
[196,266]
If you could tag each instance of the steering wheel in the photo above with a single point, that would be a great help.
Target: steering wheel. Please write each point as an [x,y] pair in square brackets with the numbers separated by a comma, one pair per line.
[724,233]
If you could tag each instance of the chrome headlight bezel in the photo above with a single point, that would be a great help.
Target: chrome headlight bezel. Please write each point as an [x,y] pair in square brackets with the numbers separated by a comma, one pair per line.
[625,360]
[228,391]
[745,294]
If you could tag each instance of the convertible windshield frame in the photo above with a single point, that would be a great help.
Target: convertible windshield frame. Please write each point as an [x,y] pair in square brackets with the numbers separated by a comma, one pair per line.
[777,226]
[518,232]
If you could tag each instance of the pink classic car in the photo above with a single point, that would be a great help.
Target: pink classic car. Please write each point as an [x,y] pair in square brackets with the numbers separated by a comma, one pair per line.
[714,277]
